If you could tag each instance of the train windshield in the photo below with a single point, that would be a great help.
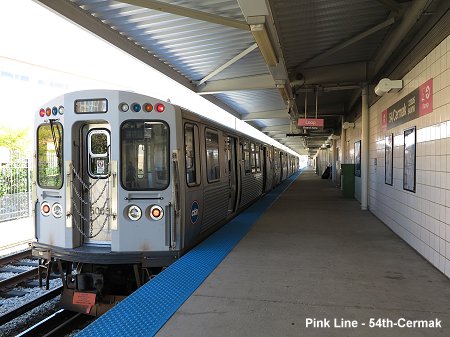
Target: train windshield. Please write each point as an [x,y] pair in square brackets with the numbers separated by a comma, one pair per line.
[49,155]
[145,155]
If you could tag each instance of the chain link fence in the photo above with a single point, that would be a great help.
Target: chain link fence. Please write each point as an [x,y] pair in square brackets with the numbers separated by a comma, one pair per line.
[15,189]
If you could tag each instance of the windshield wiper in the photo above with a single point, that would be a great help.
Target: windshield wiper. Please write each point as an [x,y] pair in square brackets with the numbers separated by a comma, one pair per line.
[56,143]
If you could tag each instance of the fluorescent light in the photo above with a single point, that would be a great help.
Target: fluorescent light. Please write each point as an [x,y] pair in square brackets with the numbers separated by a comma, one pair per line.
[259,31]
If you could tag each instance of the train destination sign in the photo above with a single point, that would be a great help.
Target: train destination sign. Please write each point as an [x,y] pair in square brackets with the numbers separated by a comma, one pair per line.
[311,123]
[414,105]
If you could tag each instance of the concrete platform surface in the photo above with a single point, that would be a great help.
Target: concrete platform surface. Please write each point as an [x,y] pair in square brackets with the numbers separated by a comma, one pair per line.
[316,257]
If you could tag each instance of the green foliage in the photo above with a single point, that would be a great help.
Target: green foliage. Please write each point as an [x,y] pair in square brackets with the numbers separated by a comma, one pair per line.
[14,176]
[17,140]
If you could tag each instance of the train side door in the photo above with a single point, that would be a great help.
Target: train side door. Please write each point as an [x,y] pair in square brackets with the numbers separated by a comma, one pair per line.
[232,172]
[265,168]
[194,190]
[268,169]
[94,183]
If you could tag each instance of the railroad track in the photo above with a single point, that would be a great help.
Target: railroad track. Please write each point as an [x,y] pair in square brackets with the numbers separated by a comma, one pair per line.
[15,257]
[12,264]
[19,269]
[58,324]
[20,310]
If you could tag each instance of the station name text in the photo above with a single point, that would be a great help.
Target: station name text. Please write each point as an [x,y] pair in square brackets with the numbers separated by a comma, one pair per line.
[372,323]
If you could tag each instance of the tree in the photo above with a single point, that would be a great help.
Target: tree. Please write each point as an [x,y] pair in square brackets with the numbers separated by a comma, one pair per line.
[16,140]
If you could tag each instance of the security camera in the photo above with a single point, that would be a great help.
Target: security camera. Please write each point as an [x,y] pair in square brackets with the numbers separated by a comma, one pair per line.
[386,85]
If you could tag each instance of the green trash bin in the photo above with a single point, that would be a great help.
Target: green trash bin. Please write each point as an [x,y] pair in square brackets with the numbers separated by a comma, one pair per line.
[348,180]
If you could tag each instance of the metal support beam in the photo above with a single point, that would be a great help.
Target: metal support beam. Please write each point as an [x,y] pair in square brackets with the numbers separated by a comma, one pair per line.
[354,98]
[343,143]
[234,84]
[342,73]
[75,14]
[227,64]
[257,8]
[276,134]
[350,41]
[410,17]
[266,115]
[327,88]
[277,128]
[188,12]
[392,5]
[325,110]
[365,148]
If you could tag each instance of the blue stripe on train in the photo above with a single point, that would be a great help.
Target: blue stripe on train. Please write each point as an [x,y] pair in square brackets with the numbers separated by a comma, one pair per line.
[145,311]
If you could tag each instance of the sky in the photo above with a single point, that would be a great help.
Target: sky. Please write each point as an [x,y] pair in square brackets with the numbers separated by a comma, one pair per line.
[43,56]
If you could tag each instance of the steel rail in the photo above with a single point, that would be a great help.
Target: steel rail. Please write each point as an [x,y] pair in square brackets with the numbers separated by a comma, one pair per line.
[14,313]
[16,279]
[54,324]
[14,257]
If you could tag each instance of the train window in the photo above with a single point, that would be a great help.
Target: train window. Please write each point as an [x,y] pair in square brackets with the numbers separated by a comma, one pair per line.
[212,156]
[191,148]
[276,158]
[253,157]
[144,155]
[257,158]
[98,144]
[141,159]
[246,157]
[49,155]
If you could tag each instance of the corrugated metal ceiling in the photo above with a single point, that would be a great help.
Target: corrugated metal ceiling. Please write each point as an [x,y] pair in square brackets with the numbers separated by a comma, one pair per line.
[192,47]
[330,23]
[307,30]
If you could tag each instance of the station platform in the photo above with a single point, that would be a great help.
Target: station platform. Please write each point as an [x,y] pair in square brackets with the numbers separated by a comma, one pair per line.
[311,257]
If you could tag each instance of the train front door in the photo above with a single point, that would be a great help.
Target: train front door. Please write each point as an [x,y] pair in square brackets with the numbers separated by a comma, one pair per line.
[93,179]
[232,173]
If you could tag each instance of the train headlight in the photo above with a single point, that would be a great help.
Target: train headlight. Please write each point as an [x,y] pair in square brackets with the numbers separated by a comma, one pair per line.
[156,212]
[57,210]
[61,110]
[124,107]
[134,213]
[45,208]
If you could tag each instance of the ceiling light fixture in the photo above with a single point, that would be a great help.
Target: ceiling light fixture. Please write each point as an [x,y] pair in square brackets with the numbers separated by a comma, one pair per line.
[386,85]
[259,31]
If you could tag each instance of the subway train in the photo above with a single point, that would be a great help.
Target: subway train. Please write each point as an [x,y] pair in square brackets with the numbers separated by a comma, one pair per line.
[125,184]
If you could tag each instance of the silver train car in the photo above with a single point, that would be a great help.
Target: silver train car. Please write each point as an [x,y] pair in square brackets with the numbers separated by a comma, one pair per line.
[125,184]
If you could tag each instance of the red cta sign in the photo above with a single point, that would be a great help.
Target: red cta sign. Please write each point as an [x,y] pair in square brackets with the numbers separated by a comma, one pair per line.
[311,123]
[426,98]
[416,104]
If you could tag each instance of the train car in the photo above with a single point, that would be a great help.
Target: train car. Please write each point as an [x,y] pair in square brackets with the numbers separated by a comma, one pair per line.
[125,184]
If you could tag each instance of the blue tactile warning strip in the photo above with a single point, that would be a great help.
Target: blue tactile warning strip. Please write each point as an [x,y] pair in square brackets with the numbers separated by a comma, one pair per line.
[145,311]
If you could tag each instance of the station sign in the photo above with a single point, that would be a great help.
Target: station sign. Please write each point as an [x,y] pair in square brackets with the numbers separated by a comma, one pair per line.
[416,104]
[311,123]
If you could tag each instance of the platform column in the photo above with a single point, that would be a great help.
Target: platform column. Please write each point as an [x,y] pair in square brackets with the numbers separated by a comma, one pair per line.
[365,147]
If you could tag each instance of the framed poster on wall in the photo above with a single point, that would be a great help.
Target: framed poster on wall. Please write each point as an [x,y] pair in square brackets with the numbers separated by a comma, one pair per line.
[358,158]
[409,160]
[388,159]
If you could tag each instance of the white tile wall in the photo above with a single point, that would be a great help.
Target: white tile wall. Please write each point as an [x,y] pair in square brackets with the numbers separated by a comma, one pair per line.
[423,218]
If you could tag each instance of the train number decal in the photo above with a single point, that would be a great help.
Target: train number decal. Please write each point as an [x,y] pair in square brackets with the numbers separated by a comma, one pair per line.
[194,211]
